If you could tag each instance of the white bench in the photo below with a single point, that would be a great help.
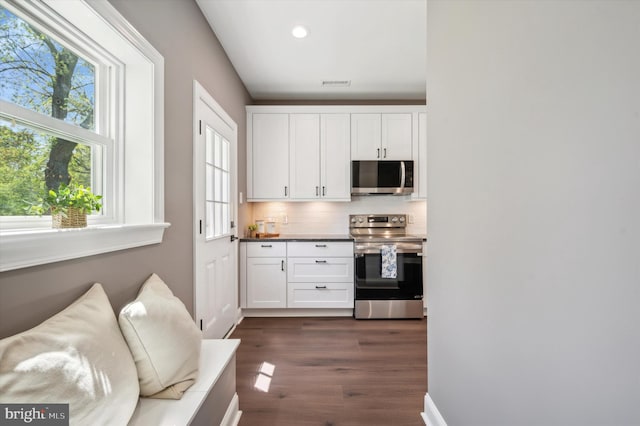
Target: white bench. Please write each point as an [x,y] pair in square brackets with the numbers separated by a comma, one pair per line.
[211,400]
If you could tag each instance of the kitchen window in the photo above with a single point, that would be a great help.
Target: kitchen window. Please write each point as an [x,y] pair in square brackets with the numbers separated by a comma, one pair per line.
[79,88]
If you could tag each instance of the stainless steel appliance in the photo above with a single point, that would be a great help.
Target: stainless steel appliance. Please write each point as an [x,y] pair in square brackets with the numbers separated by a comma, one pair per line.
[381,177]
[375,295]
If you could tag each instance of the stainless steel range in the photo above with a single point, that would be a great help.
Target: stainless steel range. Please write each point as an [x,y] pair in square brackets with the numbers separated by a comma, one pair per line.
[388,267]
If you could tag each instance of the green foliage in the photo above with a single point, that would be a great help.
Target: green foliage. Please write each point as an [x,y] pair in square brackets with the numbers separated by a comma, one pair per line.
[253,227]
[41,74]
[76,196]
[22,162]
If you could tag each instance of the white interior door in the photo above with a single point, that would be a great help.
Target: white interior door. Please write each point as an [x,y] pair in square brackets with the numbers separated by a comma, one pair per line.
[215,213]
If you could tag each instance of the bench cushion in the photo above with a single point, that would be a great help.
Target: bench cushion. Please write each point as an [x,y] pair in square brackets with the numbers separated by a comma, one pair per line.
[78,357]
[163,339]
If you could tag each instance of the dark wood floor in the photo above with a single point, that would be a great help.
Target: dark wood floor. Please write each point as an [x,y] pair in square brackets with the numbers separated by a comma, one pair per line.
[331,371]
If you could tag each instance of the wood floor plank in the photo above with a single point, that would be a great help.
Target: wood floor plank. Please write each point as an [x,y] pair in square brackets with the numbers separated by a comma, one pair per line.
[331,371]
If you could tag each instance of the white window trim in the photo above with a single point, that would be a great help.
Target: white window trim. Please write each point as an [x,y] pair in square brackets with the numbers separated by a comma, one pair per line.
[140,196]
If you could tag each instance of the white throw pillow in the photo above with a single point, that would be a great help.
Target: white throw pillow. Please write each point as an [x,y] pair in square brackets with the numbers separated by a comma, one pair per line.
[163,339]
[78,357]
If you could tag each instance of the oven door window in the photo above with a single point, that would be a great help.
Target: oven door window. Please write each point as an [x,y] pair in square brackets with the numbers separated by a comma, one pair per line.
[371,286]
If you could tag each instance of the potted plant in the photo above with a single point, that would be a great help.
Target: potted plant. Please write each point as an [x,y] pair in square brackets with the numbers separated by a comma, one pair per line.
[252,230]
[69,205]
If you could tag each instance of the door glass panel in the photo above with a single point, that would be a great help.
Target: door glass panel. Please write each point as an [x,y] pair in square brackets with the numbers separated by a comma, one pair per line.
[225,154]
[209,220]
[218,160]
[217,186]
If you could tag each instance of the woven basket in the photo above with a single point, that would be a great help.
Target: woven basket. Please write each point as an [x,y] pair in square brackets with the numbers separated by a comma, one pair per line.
[75,218]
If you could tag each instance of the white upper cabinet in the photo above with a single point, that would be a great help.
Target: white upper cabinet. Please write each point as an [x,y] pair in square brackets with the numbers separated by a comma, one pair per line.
[319,157]
[304,156]
[386,136]
[420,158]
[268,157]
[396,137]
[366,136]
[335,157]
[304,153]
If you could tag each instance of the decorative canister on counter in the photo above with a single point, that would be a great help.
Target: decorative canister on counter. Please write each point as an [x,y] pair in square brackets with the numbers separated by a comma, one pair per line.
[271,227]
[260,224]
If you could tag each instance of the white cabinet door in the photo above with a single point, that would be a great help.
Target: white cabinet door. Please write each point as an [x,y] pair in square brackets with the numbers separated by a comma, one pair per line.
[269,157]
[366,137]
[304,156]
[420,159]
[266,282]
[328,270]
[320,295]
[335,157]
[396,136]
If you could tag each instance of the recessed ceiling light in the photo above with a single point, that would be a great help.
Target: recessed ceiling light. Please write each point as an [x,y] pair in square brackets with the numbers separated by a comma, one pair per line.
[299,31]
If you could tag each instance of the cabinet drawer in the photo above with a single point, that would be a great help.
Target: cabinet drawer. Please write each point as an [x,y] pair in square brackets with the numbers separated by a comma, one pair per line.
[266,249]
[321,249]
[320,295]
[320,269]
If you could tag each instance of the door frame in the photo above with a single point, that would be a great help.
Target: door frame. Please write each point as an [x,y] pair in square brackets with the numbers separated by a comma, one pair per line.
[201,94]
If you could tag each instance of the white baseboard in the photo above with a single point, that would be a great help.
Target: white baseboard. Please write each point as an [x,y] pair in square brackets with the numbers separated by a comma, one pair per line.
[298,312]
[431,415]
[232,415]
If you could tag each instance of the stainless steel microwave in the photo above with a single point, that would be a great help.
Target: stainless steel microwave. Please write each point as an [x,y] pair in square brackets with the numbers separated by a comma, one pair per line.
[381,177]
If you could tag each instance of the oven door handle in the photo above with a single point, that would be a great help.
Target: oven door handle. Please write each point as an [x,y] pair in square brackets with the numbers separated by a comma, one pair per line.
[359,252]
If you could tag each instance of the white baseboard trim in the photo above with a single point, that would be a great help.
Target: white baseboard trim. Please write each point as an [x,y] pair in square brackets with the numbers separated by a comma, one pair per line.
[431,415]
[298,312]
[232,415]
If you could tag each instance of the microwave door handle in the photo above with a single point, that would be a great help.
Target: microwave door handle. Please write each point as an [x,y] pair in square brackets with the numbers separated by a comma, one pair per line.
[403,175]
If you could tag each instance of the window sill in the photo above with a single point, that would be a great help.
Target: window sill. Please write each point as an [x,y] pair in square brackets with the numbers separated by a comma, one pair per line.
[22,249]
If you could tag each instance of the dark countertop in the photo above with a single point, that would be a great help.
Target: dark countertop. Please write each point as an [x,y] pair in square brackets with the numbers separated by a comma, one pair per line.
[302,237]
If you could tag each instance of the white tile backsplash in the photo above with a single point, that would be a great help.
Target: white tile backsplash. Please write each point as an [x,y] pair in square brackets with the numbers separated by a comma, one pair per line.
[333,218]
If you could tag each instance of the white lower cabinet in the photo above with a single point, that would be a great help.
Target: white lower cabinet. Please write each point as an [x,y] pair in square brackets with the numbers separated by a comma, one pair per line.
[266,277]
[297,275]
[320,275]
[320,295]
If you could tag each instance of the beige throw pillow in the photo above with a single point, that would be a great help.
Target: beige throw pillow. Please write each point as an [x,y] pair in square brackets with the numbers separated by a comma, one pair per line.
[163,339]
[78,357]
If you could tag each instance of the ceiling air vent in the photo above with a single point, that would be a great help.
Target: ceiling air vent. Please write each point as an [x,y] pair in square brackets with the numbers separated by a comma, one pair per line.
[336,83]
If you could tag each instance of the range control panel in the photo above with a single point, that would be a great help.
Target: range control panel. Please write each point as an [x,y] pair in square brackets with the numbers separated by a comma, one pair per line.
[377,221]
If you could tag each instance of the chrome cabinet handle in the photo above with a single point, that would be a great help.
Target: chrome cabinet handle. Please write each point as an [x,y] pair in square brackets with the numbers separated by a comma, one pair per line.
[266,245]
[321,286]
[385,153]
[378,154]
[321,261]
[282,265]
[321,245]
[323,191]
[317,191]
[285,191]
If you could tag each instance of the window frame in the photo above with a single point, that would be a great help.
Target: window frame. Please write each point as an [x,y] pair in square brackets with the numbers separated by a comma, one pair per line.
[134,184]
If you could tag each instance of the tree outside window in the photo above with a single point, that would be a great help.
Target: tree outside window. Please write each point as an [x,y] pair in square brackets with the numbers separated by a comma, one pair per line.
[43,75]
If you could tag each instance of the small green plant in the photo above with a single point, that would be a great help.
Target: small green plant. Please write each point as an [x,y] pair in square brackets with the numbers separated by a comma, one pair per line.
[253,227]
[68,196]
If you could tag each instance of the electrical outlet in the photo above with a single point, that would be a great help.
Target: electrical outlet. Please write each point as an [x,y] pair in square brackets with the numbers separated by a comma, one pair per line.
[410,218]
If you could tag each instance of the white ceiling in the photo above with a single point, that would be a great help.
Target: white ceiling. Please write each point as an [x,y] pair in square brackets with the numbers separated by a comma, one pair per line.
[379,45]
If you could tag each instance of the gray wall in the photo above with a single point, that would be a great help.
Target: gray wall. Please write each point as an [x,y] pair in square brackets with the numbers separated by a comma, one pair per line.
[181,34]
[534,212]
